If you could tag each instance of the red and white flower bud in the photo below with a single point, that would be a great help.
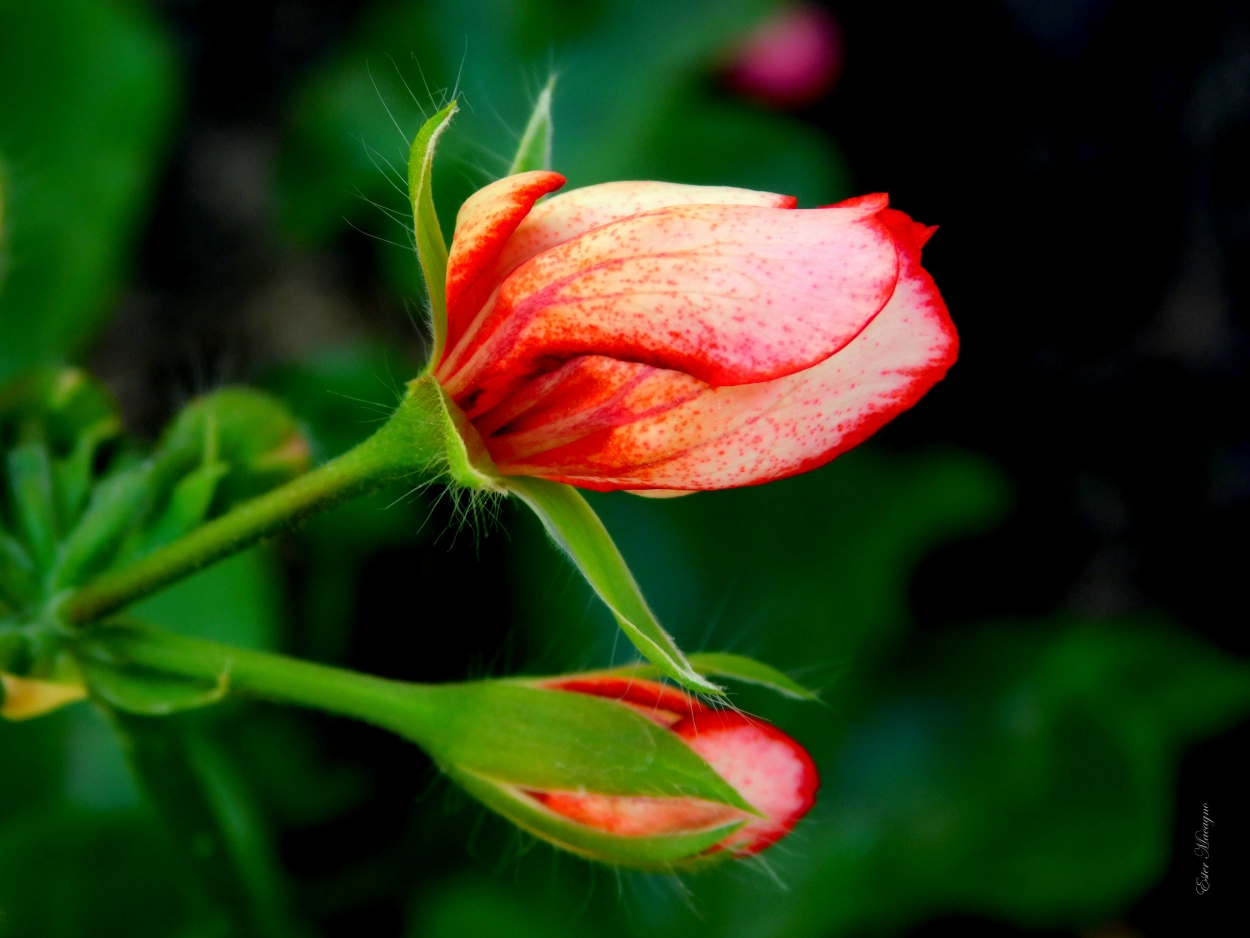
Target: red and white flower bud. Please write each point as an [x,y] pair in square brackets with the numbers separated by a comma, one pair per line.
[772,772]
[652,336]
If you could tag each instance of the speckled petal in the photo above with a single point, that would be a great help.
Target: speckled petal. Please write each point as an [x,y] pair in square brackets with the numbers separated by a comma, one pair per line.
[574,213]
[729,294]
[731,436]
[484,224]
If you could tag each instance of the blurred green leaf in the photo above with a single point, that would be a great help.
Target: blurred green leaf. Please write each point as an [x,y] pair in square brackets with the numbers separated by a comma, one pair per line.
[4,231]
[73,414]
[67,871]
[250,433]
[237,601]
[206,807]
[90,90]
[463,905]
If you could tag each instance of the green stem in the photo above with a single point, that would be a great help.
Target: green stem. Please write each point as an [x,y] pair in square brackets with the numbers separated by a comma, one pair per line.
[259,674]
[412,443]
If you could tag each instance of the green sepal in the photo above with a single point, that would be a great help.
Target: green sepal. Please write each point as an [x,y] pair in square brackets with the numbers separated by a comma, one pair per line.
[534,150]
[577,530]
[431,248]
[468,461]
[148,693]
[653,853]
[734,667]
[551,740]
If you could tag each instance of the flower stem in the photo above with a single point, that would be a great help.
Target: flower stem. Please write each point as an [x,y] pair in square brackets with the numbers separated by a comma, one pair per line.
[412,443]
[258,674]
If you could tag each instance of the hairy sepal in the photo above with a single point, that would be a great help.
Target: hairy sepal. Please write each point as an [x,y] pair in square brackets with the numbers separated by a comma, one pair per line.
[431,248]
[577,530]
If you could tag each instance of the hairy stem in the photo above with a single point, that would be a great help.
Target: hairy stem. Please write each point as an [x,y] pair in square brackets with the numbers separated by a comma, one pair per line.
[411,444]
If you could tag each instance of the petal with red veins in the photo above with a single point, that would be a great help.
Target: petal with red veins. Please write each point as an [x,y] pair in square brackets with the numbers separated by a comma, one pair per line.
[745,435]
[484,224]
[584,396]
[729,294]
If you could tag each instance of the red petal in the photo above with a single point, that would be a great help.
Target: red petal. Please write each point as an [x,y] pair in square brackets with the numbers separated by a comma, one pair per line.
[724,437]
[728,294]
[768,768]
[658,702]
[483,226]
[574,213]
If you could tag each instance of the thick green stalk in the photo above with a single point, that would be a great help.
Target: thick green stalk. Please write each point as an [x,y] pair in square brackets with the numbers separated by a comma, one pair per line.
[410,445]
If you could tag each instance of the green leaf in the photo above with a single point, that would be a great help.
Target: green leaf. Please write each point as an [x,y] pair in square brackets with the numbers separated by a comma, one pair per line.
[19,582]
[81,142]
[237,600]
[187,507]
[735,667]
[252,434]
[4,234]
[431,248]
[116,505]
[74,415]
[31,491]
[577,530]
[534,150]
[16,655]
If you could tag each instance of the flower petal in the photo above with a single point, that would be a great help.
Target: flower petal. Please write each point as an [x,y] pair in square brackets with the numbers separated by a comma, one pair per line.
[745,435]
[574,213]
[768,768]
[584,396]
[729,294]
[484,224]
[659,703]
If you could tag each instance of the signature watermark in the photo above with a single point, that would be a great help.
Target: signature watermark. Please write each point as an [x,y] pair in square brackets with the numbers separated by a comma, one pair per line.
[1202,850]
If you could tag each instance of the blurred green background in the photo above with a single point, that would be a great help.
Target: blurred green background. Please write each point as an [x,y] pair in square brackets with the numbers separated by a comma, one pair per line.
[1016,603]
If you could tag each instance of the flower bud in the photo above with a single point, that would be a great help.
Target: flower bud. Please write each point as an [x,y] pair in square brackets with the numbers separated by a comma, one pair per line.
[769,782]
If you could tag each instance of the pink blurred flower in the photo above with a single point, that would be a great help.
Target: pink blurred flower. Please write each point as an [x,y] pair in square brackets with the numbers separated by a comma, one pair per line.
[791,59]
[646,335]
